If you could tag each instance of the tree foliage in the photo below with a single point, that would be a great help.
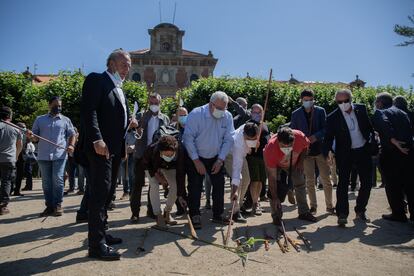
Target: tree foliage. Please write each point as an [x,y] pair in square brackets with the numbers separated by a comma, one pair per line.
[406,31]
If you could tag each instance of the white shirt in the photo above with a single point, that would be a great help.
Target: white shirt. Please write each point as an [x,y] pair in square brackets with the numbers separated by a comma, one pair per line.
[153,125]
[239,152]
[358,140]
[118,90]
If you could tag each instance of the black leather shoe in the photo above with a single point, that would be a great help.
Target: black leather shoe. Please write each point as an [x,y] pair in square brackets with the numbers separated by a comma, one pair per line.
[239,218]
[104,252]
[81,217]
[308,217]
[110,240]
[392,217]
[362,216]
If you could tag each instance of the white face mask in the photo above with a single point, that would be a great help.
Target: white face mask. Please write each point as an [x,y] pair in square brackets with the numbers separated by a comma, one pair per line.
[154,108]
[218,113]
[168,158]
[344,106]
[251,143]
[286,151]
[117,76]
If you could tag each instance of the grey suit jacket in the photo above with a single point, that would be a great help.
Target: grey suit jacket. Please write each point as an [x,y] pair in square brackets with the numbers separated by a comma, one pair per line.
[143,119]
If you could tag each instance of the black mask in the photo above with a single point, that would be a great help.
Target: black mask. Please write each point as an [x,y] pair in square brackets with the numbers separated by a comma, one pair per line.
[55,110]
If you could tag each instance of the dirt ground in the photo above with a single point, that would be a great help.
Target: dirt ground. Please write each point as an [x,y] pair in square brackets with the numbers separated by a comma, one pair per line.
[57,245]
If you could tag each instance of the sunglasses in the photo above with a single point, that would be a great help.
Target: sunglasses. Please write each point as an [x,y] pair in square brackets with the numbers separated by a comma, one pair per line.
[344,101]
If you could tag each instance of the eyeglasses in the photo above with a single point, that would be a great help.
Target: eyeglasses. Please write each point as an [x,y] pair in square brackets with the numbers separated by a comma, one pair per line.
[344,101]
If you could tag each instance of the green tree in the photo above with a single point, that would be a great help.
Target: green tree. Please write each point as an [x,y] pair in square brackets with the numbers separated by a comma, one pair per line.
[406,31]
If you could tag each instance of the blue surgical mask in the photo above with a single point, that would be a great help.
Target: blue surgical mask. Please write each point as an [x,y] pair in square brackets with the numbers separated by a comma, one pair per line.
[218,114]
[256,117]
[307,104]
[117,76]
[168,158]
[182,119]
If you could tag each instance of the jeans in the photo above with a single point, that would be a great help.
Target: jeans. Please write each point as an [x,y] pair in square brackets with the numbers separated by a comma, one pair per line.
[7,171]
[28,168]
[126,181]
[19,174]
[195,185]
[52,181]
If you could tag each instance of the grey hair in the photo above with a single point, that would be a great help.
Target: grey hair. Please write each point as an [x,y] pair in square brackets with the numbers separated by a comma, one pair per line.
[344,91]
[258,106]
[219,95]
[241,100]
[116,54]
[155,95]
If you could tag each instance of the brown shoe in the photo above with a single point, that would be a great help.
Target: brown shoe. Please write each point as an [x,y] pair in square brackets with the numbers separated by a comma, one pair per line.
[47,212]
[58,211]
[169,219]
[4,210]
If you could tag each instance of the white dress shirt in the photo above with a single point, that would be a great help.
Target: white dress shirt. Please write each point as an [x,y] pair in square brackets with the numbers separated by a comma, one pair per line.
[118,90]
[153,125]
[239,152]
[358,140]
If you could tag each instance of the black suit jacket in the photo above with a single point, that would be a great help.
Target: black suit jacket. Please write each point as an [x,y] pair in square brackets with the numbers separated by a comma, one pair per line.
[102,114]
[337,130]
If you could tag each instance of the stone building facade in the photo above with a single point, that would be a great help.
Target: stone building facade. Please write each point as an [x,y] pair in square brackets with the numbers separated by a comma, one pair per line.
[166,66]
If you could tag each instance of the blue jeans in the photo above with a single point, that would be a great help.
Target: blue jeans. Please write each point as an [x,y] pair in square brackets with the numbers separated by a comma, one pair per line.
[127,182]
[52,181]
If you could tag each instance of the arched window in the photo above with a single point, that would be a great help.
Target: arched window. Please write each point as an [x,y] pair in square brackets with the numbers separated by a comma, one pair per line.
[136,77]
[194,77]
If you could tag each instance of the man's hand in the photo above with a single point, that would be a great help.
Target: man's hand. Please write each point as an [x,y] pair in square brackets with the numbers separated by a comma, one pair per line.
[182,202]
[398,145]
[70,150]
[133,123]
[101,149]
[234,193]
[217,166]
[312,139]
[200,168]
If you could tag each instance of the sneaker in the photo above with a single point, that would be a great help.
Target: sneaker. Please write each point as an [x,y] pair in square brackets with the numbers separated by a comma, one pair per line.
[392,217]
[134,219]
[47,212]
[58,211]
[263,198]
[312,210]
[342,222]
[169,219]
[4,210]
[196,220]
[291,197]
[208,204]
[257,210]
[238,217]
[308,217]
[362,216]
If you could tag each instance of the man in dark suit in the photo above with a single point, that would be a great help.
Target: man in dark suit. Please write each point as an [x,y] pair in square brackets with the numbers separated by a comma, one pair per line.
[396,157]
[150,121]
[104,120]
[350,127]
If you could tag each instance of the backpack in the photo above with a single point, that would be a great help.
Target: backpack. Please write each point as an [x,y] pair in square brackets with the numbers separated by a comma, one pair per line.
[166,130]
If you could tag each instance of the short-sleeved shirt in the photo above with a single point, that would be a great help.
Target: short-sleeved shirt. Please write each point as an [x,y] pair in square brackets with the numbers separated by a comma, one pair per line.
[8,139]
[275,158]
[57,129]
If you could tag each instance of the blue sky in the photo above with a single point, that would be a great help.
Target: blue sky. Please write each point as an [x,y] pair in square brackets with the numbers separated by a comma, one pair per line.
[316,40]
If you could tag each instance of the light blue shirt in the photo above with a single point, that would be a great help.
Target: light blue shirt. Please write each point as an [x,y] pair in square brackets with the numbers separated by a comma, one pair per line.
[57,129]
[206,136]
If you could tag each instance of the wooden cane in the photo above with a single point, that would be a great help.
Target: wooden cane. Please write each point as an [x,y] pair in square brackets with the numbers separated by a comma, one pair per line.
[190,225]
[37,136]
[230,224]
[264,108]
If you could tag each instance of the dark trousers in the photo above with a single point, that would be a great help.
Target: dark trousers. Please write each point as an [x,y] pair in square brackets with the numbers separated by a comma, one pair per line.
[195,186]
[7,172]
[71,170]
[361,159]
[28,169]
[136,189]
[19,174]
[103,174]
[354,176]
[398,171]
[84,203]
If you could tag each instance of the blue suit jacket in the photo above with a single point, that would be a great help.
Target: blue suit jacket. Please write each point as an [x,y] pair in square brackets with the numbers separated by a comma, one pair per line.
[298,121]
